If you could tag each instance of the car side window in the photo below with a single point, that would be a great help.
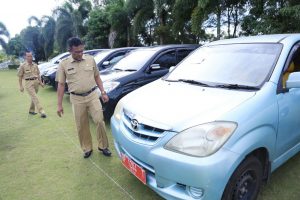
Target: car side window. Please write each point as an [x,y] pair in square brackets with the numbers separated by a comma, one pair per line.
[293,66]
[116,58]
[182,53]
[166,60]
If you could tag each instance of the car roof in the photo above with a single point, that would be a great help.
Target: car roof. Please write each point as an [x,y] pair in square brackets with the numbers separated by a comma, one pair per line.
[93,52]
[116,49]
[272,38]
[168,46]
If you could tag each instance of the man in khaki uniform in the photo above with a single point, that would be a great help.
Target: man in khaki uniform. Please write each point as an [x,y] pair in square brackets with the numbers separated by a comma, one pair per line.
[82,75]
[29,71]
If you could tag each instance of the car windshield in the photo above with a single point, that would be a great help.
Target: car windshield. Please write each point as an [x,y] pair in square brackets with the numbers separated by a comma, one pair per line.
[135,60]
[99,57]
[233,66]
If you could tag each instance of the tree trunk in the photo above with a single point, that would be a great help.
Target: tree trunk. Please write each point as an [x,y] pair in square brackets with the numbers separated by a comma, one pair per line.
[235,22]
[128,37]
[218,24]
[161,37]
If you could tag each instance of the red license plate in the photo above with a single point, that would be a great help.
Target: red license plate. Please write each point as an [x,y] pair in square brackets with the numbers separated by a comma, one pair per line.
[134,168]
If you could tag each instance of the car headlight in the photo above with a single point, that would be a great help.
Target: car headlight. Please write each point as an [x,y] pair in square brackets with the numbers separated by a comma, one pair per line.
[202,140]
[110,85]
[118,111]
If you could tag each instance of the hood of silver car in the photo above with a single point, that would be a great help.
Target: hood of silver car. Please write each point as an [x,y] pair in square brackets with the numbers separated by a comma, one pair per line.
[111,75]
[177,105]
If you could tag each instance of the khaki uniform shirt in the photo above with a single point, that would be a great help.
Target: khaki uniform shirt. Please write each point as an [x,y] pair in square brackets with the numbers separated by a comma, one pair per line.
[80,75]
[27,70]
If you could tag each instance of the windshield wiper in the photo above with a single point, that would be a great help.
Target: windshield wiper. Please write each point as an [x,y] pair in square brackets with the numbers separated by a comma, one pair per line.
[117,69]
[194,82]
[130,70]
[237,86]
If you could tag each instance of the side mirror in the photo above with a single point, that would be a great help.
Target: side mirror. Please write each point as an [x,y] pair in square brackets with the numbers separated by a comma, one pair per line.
[293,80]
[154,66]
[105,63]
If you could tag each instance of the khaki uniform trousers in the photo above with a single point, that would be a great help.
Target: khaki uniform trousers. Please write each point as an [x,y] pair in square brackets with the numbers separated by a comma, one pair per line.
[82,105]
[32,87]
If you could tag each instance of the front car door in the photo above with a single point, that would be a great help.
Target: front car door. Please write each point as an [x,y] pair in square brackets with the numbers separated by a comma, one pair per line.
[289,107]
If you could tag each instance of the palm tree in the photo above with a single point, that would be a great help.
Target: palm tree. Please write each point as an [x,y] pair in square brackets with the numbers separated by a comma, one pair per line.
[48,33]
[71,20]
[3,32]
[45,39]
[119,20]
[142,15]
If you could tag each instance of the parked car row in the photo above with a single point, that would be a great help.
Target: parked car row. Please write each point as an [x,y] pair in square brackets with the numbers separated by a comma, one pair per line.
[217,125]
[126,69]
[138,68]
[48,70]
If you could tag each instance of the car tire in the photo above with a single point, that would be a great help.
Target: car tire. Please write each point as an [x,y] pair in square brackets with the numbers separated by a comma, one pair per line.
[245,182]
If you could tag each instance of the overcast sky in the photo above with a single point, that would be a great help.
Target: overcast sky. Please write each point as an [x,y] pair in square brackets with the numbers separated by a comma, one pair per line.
[14,14]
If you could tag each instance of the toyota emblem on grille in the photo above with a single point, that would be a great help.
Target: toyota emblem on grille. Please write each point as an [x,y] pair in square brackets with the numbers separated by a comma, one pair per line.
[134,124]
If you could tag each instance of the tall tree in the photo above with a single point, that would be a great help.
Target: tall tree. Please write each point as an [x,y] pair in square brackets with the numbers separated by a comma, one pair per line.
[3,33]
[15,46]
[31,40]
[142,15]
[71,20]
[272,16]
[162,10]
[46,27]
[98,29]
[119,20]
[48,33]
[182,24]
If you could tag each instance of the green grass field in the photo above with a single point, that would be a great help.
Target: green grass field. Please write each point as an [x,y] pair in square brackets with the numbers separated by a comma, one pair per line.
[42,159]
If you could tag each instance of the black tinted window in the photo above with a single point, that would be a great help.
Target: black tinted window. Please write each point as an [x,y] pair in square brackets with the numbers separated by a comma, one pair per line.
[166,60]
[182,53]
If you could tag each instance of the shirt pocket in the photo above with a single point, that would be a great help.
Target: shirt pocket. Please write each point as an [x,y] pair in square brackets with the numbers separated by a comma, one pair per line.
[71,74]
[88,68]
[27,70]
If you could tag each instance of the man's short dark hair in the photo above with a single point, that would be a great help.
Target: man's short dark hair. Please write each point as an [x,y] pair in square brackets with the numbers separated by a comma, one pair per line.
[74,42]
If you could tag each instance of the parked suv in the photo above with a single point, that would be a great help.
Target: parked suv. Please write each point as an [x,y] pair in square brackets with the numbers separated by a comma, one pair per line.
[218,124]
[138,68]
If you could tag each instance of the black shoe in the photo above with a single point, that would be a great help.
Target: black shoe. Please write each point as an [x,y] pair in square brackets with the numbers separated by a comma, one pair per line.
[105,151]
[32,113]
[87,154]
[43,115]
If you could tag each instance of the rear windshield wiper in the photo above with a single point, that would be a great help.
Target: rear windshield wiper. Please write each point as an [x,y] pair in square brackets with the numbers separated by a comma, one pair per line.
[237,86]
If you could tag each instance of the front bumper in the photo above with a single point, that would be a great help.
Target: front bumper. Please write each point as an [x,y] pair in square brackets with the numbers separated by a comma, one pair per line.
[173,175]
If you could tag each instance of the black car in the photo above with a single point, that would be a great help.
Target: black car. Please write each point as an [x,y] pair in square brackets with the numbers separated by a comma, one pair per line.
[139,67]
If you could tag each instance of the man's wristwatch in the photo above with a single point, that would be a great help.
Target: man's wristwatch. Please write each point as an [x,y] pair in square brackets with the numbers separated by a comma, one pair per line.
[103,92]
